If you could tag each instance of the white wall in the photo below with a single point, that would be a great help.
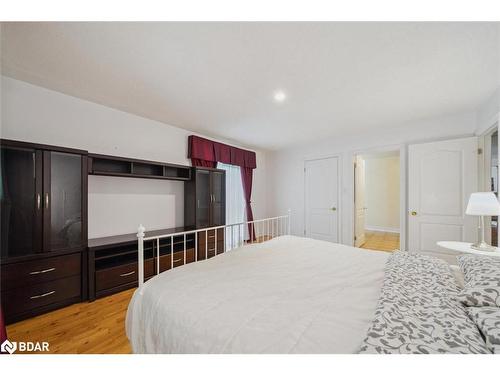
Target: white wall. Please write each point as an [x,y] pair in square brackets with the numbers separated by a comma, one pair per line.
[157,204]
[382,193]
[488,113]
[35,114]
[285,168]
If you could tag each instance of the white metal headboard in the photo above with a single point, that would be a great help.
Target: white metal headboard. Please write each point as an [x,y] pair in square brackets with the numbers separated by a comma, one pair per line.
[266,228]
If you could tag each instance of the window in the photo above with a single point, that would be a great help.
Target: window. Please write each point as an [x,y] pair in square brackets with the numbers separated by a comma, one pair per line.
[235,205]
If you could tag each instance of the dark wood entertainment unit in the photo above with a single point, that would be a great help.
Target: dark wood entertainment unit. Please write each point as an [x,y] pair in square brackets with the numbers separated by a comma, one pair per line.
[46,260]
[113,260]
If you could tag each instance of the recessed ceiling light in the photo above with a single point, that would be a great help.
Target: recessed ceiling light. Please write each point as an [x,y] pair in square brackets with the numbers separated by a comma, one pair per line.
[279,96]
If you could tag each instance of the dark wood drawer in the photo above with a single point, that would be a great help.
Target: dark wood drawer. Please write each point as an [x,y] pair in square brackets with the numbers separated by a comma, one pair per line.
[112,277]
[179,257]
[211,236]
[17,275]
[35,296]
[210,250]
[166,262]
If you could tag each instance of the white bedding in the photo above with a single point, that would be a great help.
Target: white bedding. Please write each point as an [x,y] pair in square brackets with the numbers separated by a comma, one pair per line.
[287,295]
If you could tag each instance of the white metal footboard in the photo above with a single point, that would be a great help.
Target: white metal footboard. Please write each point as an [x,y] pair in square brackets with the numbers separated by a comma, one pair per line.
[234,234]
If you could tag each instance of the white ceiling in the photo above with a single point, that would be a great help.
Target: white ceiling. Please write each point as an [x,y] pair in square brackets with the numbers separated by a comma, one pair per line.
[218,78]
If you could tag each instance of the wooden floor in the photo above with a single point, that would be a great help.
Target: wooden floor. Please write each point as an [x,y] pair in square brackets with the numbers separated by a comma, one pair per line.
[382,241]
[89,327]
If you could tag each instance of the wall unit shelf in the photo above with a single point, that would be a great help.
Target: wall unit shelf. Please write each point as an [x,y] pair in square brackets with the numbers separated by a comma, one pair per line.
[43,228]
[42,232]
[106,165]
[113,260]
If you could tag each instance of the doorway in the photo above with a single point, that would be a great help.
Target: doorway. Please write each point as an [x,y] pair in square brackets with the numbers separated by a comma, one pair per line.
[321,178]
[494,183]
[377,200]
[489,169]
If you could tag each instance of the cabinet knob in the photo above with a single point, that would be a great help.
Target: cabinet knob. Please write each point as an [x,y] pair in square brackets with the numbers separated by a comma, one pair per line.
[333,208]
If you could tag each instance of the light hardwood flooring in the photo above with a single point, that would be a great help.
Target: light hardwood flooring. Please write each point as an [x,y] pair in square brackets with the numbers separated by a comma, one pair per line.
[382,241]
[90,327]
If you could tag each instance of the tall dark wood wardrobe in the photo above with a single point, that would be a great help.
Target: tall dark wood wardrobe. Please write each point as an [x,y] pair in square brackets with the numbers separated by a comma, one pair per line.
[205,206]
[43,191]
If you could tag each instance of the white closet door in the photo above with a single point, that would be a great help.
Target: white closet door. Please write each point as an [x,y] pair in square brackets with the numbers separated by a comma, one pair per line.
[359,202]
[441,177]
[321,199]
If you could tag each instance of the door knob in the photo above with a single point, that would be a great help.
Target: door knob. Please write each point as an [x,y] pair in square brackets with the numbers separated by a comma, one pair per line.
[333,208]
[414,213]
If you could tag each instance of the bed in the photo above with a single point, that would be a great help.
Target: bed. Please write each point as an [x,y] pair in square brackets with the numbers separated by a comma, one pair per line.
[299,295]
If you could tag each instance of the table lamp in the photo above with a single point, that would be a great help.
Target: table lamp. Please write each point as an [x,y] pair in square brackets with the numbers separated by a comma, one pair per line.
[483,204]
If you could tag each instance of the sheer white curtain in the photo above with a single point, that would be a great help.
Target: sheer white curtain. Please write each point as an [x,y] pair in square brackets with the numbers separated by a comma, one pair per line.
[235,205]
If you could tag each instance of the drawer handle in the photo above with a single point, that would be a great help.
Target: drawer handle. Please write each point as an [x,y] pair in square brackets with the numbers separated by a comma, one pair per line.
[178,260]
[38,201]
[127,274]
[43,295]
[211,249]
[211,236]
[42,271]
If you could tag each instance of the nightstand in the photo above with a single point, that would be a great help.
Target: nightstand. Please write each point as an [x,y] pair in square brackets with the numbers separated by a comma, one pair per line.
[465,247]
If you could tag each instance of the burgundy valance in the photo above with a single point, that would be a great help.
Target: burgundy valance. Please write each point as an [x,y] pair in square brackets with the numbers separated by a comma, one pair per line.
[211,152]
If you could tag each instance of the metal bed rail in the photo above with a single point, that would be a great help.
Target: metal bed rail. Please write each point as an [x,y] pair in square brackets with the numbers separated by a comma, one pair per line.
[235,235]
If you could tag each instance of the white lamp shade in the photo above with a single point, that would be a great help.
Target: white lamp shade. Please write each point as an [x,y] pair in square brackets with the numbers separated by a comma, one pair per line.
[483,204]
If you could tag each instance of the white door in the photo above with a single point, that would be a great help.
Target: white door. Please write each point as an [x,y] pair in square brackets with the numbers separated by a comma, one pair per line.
[359,201]
[441,177]
[321,199]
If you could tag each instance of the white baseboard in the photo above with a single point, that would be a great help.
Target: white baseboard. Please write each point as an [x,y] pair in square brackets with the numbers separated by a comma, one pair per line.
[381,229]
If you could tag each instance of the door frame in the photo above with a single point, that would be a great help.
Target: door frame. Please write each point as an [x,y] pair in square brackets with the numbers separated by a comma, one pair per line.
[403,189]
[339,195]
[484,162]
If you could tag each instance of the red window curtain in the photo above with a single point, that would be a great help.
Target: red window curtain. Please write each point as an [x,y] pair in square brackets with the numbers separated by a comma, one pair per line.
[201,152]
[3,330]
[206,153]
[246,178]
[203,163]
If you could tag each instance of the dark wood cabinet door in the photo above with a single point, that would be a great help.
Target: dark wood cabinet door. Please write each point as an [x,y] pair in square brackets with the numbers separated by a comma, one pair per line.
[218,195]
[62,201]
[20,193]
[203,198]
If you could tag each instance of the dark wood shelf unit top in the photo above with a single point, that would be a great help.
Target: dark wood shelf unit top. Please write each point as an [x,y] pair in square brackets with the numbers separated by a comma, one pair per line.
[106,165]
[131,238]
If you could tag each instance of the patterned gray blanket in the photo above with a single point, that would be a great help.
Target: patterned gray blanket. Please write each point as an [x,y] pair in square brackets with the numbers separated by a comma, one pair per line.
[419,312]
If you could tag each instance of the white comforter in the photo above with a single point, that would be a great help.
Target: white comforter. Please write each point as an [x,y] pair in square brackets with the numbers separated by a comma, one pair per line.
[287,295]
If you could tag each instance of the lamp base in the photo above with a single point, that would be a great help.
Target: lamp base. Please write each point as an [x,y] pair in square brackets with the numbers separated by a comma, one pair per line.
[483,246]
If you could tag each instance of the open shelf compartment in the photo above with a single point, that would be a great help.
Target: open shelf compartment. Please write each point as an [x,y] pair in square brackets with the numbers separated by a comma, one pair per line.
[123,167]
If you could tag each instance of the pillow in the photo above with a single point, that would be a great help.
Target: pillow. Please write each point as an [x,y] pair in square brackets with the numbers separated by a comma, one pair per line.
[459,276]
[487,319]
[482,280]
